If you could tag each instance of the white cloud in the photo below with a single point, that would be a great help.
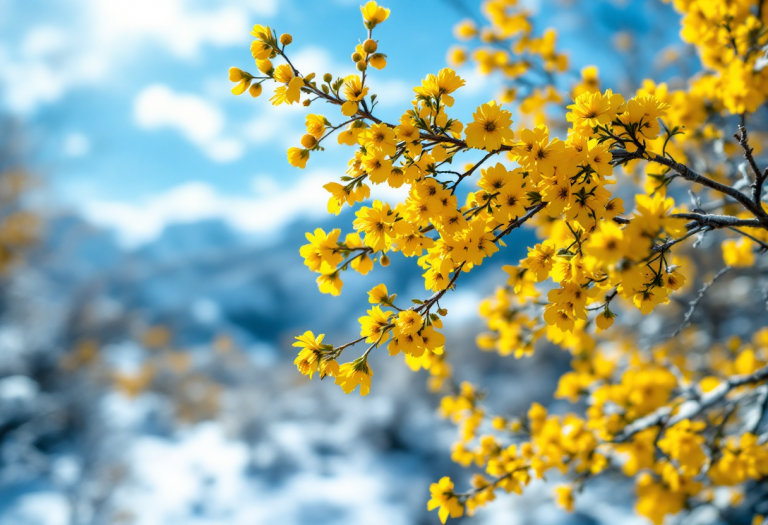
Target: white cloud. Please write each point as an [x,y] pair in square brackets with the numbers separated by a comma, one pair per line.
[45,65]
[319,60]
[261,7]
[391,92]
[102,37]
[265,212]
[275,125]
[200,122]
[76,145]
[224,149]
[42,41]
[256,213]
[174,24]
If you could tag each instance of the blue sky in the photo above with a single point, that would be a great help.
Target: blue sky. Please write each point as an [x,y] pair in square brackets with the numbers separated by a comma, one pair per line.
[129,113]
[134,125]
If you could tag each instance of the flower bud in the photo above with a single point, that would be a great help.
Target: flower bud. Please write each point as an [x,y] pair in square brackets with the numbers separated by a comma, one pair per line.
[327,77]
[286,39]
[265,66]
[236,75]
[308,141]
[378,60]
[255,90]
[241,86]
[324,88]
[306,102]
[442,311]
[384,260]
[362,66]
[370,46]
[356,57]
[309,78]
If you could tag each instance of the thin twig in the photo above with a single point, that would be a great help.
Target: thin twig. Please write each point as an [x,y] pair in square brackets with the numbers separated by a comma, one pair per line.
[698,299]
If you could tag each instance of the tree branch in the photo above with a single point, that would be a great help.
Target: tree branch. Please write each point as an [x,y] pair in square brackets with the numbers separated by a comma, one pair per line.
[691,408]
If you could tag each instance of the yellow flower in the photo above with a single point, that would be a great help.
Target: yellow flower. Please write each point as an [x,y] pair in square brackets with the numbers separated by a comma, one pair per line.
[674,280]
[265,66]
[242,78]
[353,88]
[432,339]
[738,252]
[373,14]
[378,167]
[378,60]
[329,280]
[379,137]
[409,322]
[607,244]
[554,314]
[291,91]
[379,295]
[540,259]
[308,359]
[376,222]
[683,442]
[349,135]
[350,375]
[465,30]
[443,497]
[348,109]
[341,194]
[375,326]
[283,73]
[605,320]
[321,249]
[644,113]
[298,157]
[647,300]
[490,128]
[362,265]
[564,497]
[593,109]
[315,125]
[262,48]
[440,86]
[457,56]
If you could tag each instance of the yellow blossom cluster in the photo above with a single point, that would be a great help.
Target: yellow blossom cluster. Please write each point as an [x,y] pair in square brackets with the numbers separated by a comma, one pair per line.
[730,37]
[669,416]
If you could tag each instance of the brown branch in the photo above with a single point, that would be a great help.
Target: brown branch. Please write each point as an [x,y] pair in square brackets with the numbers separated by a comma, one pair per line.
[672,242]
[760,176]
[690,175]
[717,221]
[472,170]
[518,222]
[743,142]
[763,246]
